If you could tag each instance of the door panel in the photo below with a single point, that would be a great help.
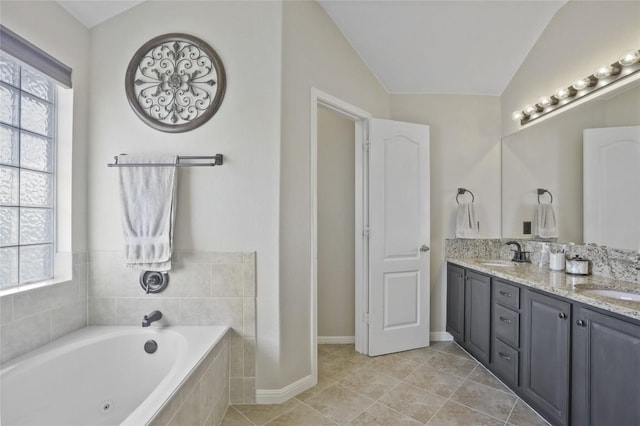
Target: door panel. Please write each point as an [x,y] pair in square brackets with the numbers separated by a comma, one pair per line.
[612,179]
[455,302]
[399,226]
[478,315]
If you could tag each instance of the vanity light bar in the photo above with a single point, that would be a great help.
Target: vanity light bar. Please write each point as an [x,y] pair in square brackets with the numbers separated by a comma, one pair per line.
[608,74]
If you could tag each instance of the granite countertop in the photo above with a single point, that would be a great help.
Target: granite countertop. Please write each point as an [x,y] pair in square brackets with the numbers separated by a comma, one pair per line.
[574,287]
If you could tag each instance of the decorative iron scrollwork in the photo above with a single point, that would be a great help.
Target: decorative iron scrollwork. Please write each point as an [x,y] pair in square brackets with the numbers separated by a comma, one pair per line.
[175,82]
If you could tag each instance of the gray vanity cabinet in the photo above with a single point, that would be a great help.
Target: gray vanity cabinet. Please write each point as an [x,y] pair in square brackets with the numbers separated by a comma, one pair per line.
[606,370]
[455,302]
[546,351]
[477,315]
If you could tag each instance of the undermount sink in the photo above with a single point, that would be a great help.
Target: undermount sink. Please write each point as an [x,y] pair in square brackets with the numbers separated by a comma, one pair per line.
[615,294]
[498,263]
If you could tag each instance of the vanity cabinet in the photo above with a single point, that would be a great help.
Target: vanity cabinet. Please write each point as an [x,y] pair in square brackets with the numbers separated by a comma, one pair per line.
[546,350]
[455,302]
[605,370]
[477,315]
[505,359]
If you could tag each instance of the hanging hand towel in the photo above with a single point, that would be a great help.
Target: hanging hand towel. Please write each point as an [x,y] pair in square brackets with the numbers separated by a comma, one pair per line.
[148,200]
[544,222]
[466,221]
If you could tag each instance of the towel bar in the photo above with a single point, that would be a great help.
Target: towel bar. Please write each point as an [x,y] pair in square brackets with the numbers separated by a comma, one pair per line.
[218,161]
[461,191]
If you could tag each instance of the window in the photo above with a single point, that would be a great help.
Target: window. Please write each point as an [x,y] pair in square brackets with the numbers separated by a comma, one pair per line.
[27,167]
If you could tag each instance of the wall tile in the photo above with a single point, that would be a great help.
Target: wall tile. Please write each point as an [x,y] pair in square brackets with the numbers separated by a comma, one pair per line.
[236,391]
[226,258]
[236,369]
[130,311]
[249,317]
[249,268]
[19,337]
[219,311]
[188,280]
[6,309]
[249,357]
[102,311]
[68,318]
[39,300]
[227,280]
[249,390]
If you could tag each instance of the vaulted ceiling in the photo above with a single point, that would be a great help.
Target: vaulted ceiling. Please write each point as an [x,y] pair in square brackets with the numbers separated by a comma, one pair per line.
[444,47]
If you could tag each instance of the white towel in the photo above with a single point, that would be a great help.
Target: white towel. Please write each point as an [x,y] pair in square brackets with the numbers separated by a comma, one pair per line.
[466,221]
[148,201]
[544,222]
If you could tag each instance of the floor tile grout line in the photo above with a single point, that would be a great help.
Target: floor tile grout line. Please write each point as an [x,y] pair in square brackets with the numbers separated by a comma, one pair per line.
[323,416]
[511,412]
[284,412]
[242,414]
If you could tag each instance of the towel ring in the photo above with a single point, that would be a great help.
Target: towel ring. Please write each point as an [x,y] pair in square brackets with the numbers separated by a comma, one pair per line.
[541,191]
[461,191]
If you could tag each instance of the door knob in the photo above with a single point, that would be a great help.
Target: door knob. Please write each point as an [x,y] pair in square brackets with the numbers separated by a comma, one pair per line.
[424,248]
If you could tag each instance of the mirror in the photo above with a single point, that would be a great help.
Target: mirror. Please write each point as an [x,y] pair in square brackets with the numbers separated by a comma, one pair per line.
[549,155]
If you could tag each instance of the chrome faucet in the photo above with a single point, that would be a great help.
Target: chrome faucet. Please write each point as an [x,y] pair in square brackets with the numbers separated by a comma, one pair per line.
[152,317]
[518,254]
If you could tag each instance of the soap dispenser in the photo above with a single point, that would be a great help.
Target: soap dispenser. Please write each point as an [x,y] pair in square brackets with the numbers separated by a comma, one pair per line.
[544,255]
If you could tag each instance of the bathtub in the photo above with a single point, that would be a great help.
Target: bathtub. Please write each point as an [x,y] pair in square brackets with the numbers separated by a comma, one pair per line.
[103,376]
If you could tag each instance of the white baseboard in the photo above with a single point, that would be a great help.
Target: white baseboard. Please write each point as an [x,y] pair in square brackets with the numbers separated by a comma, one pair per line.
[336,340]
[278,396]
[440,336]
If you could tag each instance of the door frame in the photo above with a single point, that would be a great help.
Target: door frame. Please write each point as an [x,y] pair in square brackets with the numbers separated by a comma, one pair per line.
[361,120]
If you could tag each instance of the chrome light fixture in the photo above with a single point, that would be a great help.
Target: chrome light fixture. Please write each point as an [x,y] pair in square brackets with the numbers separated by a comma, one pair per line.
[628,65]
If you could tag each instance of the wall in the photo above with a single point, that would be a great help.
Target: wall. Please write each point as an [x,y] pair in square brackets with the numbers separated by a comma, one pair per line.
[465,152]
[35,317]
[582,36]
[336,225]
[233,208]
[314,54]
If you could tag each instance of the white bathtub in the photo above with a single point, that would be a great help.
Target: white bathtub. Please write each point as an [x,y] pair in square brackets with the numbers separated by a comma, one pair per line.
[102,376]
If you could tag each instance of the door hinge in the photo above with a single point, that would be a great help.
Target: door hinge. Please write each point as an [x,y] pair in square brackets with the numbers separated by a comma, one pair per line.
[366,233]
[366,145]
[365,317]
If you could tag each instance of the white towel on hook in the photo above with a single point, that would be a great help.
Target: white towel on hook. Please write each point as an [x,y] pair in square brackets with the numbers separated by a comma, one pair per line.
[544,221]
[148,201]
[466,221]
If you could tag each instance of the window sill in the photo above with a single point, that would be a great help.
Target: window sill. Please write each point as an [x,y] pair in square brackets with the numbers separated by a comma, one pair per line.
[34,286]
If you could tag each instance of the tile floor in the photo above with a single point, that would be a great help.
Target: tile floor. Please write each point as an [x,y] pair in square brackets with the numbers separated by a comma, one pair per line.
[440,385]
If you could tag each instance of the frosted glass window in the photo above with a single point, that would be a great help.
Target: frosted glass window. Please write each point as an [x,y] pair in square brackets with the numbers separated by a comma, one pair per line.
[27,165]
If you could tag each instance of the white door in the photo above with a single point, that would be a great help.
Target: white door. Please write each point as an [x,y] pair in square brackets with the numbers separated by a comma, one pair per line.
[399,236]
[612,187]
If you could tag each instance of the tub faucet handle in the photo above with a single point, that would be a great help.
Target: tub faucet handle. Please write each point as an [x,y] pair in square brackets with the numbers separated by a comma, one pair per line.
[152,317]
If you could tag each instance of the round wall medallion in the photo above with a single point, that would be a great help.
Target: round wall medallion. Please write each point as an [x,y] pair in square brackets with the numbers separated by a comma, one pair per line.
[175,82]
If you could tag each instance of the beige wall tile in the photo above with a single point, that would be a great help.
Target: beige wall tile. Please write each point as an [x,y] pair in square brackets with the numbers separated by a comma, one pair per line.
[236,391]
[102,311]
[249,316]
[249,272]
[69,318]
[19,337]
[249,357]
[226,280]
[130,311]
[6,309]
[218,311]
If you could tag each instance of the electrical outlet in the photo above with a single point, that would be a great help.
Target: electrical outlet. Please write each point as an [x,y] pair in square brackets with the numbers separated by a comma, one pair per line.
[526,228]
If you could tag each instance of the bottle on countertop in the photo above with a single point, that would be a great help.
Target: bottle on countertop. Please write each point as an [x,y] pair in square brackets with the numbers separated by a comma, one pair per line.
[544,256]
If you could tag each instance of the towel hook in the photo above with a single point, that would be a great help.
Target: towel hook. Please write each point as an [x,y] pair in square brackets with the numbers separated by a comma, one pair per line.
[541,191]
[461,191]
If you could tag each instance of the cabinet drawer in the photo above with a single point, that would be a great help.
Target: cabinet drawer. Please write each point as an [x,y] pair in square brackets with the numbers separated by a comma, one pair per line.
[506,363]
[506,294]
[506,325]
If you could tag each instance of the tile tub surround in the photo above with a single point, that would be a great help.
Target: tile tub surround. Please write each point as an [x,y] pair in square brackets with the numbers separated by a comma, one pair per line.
[204,397]
[606,262]
[438,385]
[32,318]
[205,288]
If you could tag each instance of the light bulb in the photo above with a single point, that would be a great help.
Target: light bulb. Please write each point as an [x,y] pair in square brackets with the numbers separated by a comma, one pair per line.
[630,58]
[517,115]
[583,83]
[562,93]
[530,109]
[544,101]
[606,71]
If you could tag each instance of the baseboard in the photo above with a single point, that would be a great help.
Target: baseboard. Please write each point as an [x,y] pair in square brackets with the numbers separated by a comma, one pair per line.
[336,340]
[440,336]
[278,396]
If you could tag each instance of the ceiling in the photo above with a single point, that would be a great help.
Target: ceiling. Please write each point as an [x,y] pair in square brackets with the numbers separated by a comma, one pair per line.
[419,46]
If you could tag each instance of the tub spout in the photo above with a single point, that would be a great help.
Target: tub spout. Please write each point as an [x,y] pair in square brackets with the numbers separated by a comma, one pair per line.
[152,317]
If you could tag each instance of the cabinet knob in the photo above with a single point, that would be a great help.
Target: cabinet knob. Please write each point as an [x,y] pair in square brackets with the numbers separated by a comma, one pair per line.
[562,315]
[424,248]
[581,323]
[505,294]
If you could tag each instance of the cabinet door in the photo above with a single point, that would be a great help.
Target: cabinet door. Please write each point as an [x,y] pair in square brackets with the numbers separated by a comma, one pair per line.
[546,345]
[455,302]
[606,364]
[478,315]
